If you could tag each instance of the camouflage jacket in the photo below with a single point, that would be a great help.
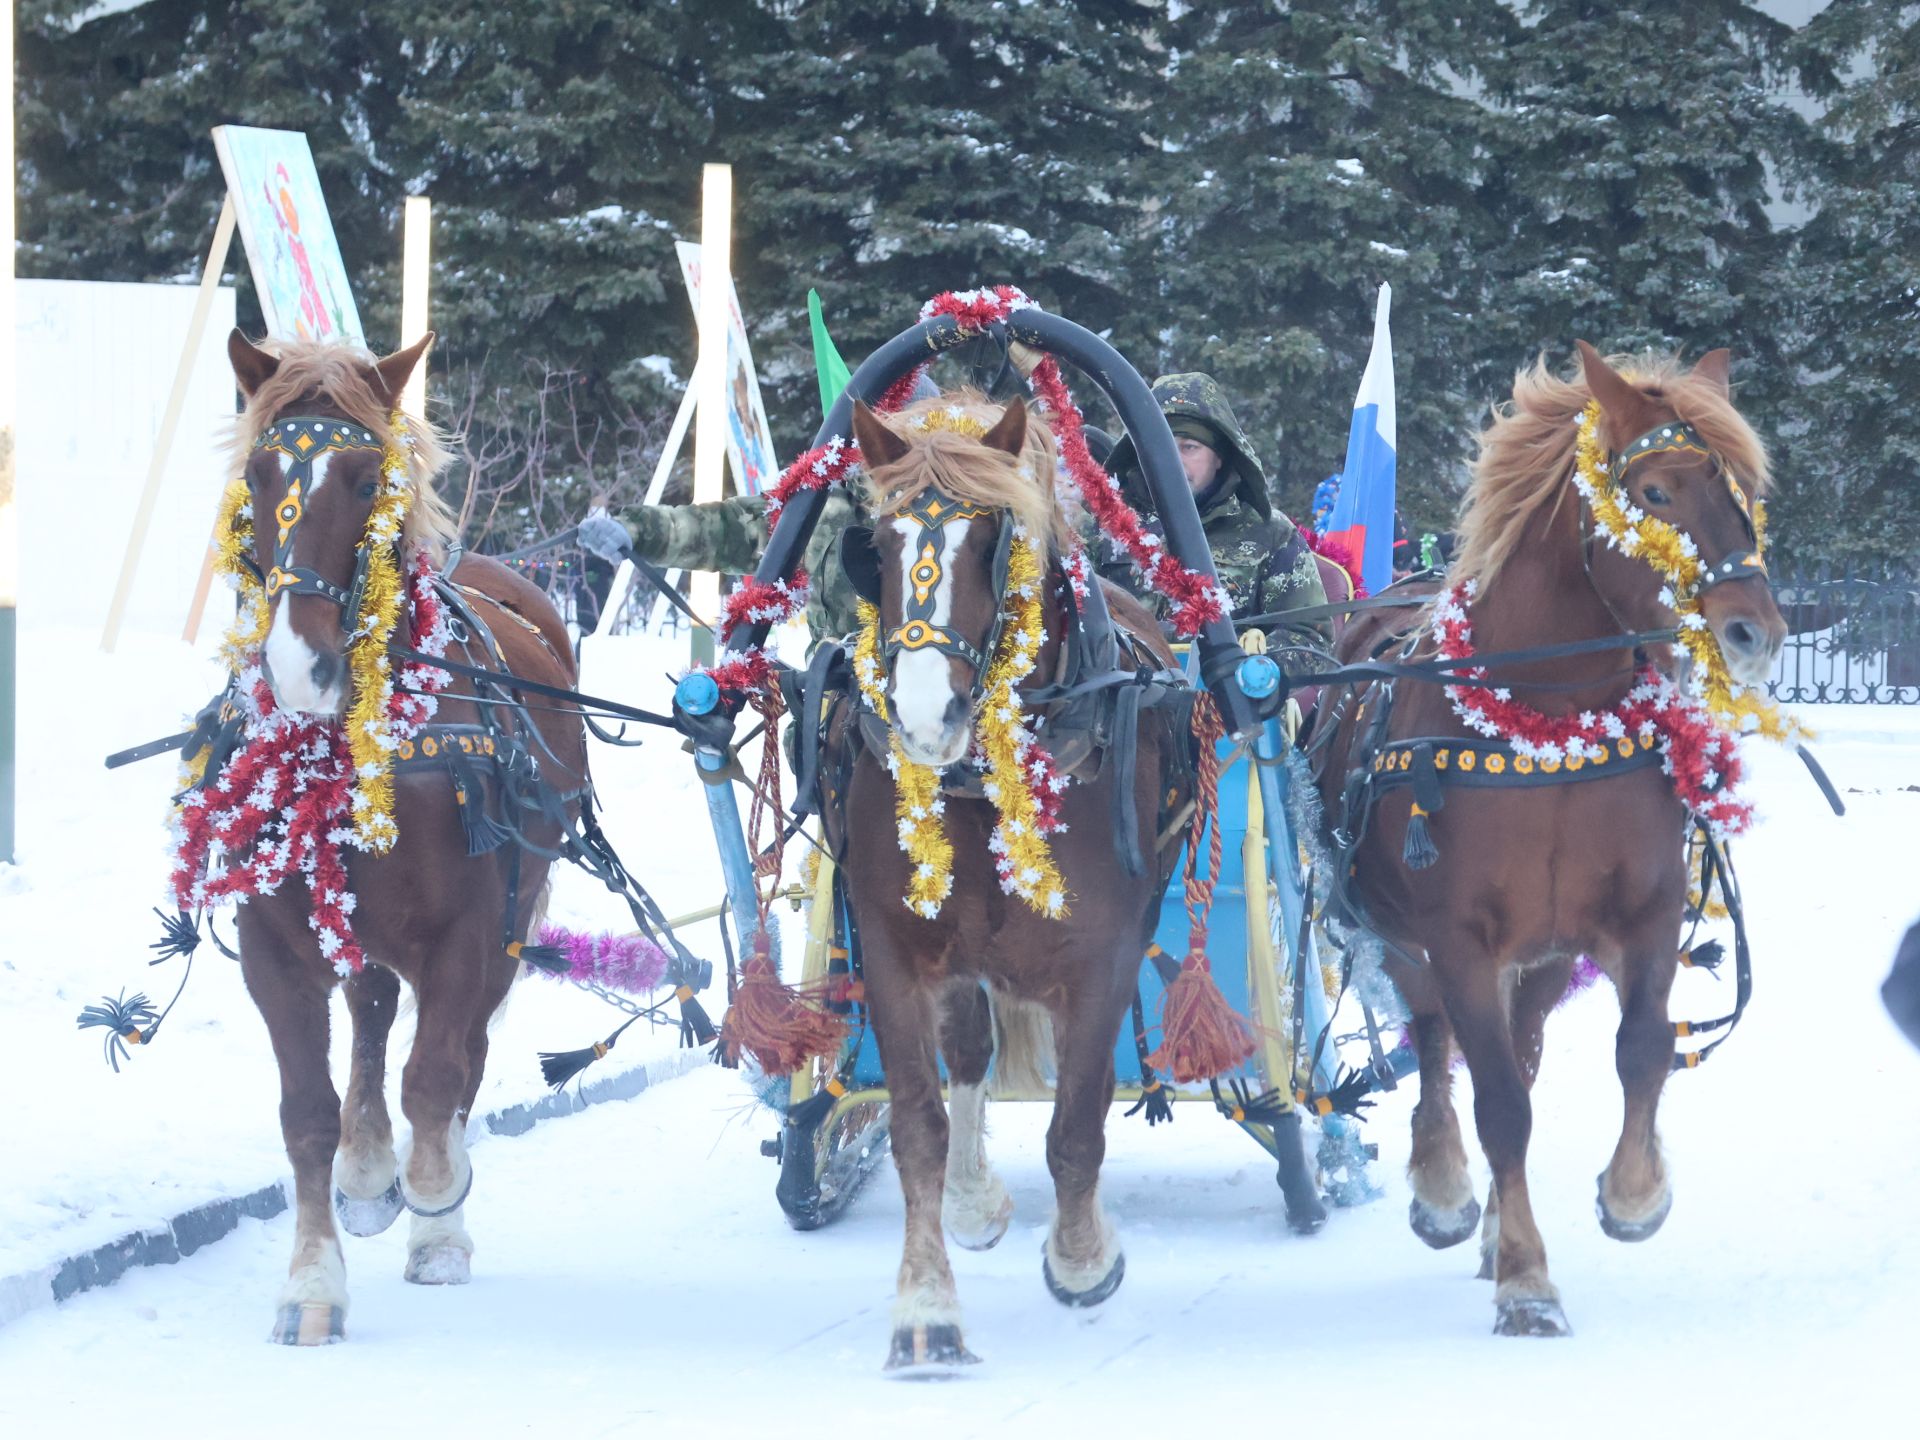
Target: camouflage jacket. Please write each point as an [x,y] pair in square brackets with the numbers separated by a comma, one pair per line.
[729,536]
[1262,562]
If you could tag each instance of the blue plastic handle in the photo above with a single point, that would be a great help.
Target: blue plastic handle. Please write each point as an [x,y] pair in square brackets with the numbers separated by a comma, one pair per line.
[1259,677]
[697,694]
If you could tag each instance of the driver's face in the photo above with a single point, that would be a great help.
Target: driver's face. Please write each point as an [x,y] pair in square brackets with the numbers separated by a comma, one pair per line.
[1202,463]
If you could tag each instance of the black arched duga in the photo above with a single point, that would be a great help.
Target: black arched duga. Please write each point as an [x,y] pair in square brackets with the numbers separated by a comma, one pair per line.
[1220,652]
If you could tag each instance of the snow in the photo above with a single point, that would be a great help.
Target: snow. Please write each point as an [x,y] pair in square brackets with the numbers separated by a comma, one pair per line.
[635,1277]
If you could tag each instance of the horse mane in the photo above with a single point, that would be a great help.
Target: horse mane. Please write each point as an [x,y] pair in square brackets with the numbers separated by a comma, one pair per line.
[340,371]
[947,455]
[1527,452]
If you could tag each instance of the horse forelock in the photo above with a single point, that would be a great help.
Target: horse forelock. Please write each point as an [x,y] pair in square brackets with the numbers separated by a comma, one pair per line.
[342,374]
[954,462]
[1526,457]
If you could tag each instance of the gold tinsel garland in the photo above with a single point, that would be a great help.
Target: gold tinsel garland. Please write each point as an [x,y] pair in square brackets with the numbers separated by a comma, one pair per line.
[1023,856]
[369,738]
[1674,556]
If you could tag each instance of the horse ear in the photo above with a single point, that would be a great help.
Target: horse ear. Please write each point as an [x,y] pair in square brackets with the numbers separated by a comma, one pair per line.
[879,446]
[394,371]
[1009,433]
[1714,366]
[1621,403]
[252,366]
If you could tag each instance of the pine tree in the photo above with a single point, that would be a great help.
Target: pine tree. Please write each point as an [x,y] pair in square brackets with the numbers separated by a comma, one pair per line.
[903,149]
[1851,473]
[1309,152]
[1635,181]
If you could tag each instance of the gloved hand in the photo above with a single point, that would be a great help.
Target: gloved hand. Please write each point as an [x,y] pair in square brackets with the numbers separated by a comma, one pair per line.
[605,536]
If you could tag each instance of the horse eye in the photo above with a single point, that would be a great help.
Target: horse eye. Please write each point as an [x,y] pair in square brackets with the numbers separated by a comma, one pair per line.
[367,490]
[1655,495]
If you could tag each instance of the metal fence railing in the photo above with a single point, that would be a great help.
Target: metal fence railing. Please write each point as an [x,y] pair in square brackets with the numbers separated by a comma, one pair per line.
[1853,639]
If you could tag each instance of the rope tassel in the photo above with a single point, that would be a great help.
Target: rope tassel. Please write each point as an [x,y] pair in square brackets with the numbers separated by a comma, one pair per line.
[1201,1035]
[773,1022]
[557,1067]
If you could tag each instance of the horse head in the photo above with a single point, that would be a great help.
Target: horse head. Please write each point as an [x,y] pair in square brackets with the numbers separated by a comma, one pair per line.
[314,440]
[948,503]
[1668,453]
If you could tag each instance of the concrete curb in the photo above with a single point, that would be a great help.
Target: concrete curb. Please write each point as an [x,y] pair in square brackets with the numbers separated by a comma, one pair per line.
[194,1229]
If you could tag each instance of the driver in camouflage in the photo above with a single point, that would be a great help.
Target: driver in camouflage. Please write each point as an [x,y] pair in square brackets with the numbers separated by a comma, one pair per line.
[728,536]
[1262,562]
[1259,556]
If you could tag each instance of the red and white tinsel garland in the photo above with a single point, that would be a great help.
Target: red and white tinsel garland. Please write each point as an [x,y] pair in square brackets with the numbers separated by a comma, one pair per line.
[283,804]
[1701,757]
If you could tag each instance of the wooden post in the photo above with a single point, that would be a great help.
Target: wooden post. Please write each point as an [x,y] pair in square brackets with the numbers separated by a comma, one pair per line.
[169,422]
[415,276]
[710,426]
[9,512]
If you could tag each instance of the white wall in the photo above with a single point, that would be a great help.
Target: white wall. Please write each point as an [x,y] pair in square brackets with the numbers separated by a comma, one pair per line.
[96,366]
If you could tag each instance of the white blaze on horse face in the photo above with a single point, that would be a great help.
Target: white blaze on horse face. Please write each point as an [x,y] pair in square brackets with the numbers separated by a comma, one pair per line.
[922,682]
[290,662]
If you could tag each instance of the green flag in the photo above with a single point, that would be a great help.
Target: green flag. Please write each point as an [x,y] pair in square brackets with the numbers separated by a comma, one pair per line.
[833,370]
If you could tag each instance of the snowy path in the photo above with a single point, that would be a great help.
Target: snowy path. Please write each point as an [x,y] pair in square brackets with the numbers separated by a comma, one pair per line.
[634,1276]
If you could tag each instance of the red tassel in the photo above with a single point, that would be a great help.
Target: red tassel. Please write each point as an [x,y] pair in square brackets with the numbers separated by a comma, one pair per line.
[1201,1035]
[780,1027]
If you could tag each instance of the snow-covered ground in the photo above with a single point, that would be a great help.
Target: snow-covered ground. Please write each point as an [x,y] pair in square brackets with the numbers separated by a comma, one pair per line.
[634,1275]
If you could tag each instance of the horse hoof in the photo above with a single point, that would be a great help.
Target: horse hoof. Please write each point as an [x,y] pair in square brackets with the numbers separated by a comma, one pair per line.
[1443,1228]
[1084,1299]
[366,1218]
[439,1265]
[928,1352]
[990,1235]
[1630,1230]
[1542,1318]
[310,1324]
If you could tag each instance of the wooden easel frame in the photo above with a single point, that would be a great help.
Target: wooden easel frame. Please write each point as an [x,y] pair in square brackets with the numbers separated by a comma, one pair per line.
[163,445]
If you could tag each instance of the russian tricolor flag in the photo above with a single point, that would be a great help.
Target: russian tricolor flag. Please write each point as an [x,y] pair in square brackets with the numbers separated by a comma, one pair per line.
[1363,514]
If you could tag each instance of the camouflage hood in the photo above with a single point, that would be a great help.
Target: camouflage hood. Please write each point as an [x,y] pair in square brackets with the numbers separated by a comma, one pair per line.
[1196,406]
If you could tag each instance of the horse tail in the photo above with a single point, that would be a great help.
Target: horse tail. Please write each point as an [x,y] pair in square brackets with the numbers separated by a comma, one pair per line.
[1022,1046]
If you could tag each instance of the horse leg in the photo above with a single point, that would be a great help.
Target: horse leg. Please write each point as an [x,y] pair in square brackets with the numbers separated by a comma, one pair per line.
[366,1176]
[1443,1211]
[436,1173]
[976,1206]
[1634,1192]
[291,990]
[1534,996]
[926,1308]
[1525,1301]
[1082,1261]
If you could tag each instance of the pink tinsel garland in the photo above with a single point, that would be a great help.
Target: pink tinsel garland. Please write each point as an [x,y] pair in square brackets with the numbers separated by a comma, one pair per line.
[631,964]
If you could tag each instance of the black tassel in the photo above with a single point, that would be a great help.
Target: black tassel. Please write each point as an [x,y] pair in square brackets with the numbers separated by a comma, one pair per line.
[1704,957]
[1153,1100]
[484,833]
[557,1067]
[179,935]
[122,1018]
[1242,1106]
[695,1027]
[550,958]
[1419,852]
[1350,1095]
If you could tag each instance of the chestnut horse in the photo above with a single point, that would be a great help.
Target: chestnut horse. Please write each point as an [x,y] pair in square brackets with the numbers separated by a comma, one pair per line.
[944,501]
[428,912]
[1527,879]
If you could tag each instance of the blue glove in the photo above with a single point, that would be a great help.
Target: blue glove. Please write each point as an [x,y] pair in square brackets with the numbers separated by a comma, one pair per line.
[605,537]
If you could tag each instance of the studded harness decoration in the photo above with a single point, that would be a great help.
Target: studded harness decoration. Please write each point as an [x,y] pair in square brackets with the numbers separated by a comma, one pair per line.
[933,511]
[1679,438]
[304,440]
